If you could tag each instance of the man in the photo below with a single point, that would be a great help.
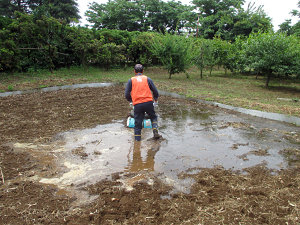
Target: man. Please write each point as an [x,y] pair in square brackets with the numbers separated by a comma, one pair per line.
[138,91]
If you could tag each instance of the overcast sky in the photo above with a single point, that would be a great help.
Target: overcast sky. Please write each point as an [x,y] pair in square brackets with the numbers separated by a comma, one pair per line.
[278,11]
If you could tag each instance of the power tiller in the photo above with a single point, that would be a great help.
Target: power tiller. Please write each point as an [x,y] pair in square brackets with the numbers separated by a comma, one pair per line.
[131,121]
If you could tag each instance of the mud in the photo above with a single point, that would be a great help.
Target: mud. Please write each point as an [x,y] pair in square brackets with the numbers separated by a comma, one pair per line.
[257,184]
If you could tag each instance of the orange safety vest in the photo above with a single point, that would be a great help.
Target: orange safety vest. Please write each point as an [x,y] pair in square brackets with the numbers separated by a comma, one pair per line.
[140,91]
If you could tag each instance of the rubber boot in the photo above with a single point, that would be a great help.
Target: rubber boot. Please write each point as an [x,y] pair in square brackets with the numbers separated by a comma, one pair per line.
[155,130]
[137,137]
[155,133]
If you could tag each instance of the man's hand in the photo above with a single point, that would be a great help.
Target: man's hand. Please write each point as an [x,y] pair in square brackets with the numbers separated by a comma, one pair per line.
[155,103]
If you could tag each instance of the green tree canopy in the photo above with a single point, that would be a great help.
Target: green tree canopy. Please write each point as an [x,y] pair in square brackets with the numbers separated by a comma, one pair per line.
[116,14]
[296,12]
[203,54]
[295,29]
[216,17]
[4,22]
[169,16]
[227,19]
[252,19]
[271,53]
[59,9]
[173,52]
[139,50]
[286,27]
[140,15]
[8,7]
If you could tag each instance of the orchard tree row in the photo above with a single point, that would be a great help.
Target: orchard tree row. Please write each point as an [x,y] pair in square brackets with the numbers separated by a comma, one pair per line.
[28,45]
[270,54]
[224,18]
[35,36]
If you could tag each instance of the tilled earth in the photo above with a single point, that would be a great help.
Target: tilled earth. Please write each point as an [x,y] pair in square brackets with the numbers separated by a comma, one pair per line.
[218,196]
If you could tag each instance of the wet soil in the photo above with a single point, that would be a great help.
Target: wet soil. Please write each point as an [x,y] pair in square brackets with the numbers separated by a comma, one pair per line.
[256,195]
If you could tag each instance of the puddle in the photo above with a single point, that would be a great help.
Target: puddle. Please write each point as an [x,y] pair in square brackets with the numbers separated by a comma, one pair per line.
[193,139]
[267,115]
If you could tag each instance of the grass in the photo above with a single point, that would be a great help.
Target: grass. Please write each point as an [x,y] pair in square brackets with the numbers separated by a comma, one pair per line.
[238,90]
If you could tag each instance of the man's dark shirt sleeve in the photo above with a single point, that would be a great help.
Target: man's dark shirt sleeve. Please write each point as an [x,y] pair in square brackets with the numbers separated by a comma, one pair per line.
[128,90]
[153,88]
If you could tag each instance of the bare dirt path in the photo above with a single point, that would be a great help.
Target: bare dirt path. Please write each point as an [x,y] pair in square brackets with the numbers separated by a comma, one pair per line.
[218,195]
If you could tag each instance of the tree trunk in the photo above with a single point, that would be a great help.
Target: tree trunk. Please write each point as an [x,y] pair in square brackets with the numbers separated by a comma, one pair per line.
[202,62]
[268,78]
[19,6]
[201,73]
[257,75]
[83,63]
[50,58]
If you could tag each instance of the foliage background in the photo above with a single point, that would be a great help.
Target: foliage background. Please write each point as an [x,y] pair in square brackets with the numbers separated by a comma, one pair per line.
[37,35]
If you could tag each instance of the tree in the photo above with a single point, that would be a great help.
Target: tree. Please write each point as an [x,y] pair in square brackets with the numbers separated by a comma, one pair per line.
[173,52]
[225,54]
[39,43]
[296,27]
[227,19]
[118,37]
[60,9]
[117,14]
[110,55]
[85,46]
[140,15]
[169,16]
[8,7]
[203,54]
[9,53]
[4,22]
[139,49]
[271,53]
[252,19]
[295,12]
[216,17]
[286,27]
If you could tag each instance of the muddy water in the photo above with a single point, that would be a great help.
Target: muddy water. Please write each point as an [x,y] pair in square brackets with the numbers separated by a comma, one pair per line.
[192,138]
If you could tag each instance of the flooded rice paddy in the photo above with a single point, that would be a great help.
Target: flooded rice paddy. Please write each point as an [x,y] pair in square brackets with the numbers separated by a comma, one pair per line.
[193,138]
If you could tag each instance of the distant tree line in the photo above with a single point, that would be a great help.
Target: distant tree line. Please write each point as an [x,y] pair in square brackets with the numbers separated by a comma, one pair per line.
[61,9]
[224,18]
[35,35]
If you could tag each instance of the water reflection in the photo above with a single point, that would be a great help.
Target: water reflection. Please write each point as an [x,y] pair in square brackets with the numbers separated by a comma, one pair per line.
[139,167]
[137,163]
